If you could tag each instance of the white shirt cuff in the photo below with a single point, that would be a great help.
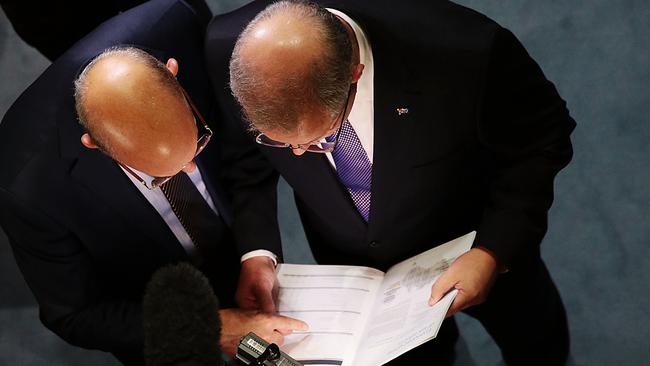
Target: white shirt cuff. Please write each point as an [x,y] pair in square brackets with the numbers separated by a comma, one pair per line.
[260,253]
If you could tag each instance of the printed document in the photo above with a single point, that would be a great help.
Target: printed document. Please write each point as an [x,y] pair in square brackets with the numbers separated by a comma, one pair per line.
[361,316]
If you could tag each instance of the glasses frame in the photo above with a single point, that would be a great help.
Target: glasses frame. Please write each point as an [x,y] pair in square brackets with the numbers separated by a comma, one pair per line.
[314,148]
[201,143]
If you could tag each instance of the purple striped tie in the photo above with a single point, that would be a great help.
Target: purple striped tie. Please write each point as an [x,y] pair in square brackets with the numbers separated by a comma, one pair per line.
[354,168]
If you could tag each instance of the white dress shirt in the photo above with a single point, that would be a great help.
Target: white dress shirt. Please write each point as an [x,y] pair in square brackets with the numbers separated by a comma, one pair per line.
[362,114]
[159,202]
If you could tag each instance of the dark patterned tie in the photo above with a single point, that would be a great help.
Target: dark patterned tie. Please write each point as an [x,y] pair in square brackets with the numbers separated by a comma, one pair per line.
[353,168]
[202,224]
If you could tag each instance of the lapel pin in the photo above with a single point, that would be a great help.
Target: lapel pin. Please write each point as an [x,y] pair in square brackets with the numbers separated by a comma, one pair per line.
[402,110]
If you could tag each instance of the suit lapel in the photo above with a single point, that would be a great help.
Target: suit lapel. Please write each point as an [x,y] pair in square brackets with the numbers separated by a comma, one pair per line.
[209,173]
[112,188]
[388,153]
[103,177]
[317,184]
[393,130]
[413,126]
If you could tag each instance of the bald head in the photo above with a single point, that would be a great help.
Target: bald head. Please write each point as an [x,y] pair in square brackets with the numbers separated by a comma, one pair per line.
[283,46]
[291,63]
[134,110]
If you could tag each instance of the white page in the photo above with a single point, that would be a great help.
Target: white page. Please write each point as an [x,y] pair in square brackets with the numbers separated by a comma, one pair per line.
[335,301]
[402,318]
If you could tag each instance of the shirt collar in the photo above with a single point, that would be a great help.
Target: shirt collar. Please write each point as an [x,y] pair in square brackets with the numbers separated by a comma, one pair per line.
[365,51]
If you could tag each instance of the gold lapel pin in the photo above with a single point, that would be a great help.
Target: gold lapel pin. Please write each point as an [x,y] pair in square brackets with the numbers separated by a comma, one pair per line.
[402,110]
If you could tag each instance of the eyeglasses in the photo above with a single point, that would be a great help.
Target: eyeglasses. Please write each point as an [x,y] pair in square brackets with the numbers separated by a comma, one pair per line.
[321,147]
[201,143]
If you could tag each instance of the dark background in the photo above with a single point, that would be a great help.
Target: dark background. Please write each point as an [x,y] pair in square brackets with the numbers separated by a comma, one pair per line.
[597,247]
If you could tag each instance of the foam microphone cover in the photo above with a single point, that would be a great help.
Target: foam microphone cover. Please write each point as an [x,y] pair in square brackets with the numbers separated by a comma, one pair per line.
[181,323]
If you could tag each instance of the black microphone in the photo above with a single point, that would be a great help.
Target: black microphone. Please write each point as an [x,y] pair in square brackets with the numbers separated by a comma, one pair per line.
[181,323]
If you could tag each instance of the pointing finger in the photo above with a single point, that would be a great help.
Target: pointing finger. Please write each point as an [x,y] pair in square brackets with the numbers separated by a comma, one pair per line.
[287,323]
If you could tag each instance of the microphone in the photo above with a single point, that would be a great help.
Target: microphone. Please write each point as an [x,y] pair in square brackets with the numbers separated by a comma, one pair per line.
[180,319]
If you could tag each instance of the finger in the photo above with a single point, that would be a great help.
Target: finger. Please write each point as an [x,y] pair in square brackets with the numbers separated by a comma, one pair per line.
[459,303]
[265,300]
[246,304]
[453,309]
[246,300]
[441,287]
[285,332]
[275,292]
[284,322]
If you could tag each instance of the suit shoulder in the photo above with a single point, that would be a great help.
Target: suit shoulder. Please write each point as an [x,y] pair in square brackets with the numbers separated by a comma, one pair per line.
[29,133]
[227,27]
[25,149]
[439,10]
[221,35]
[456,23]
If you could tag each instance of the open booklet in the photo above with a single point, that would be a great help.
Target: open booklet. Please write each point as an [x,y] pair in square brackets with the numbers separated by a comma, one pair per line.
[361,316]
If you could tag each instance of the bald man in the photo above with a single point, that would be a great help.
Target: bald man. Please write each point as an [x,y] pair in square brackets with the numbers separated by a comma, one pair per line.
[135,111]
[142,192]
[399,128]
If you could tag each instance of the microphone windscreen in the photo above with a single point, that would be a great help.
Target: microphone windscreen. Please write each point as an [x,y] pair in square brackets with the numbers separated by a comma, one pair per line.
[181,323]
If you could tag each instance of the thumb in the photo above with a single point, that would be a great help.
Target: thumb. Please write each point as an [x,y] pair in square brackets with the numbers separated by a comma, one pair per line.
[440,288]
[459,303]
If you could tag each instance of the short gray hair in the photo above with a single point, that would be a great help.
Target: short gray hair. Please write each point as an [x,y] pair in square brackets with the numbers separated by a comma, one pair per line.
[81,90]
[326,84]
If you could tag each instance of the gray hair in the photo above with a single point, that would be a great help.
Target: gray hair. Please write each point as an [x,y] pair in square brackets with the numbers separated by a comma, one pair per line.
[81,90]
[325,85]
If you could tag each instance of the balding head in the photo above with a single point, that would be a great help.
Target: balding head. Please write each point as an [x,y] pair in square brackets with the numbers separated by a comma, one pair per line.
[291,68]
[134,110]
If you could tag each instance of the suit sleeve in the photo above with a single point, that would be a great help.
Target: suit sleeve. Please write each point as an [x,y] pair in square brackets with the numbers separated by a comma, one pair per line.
[60,274]
[248,177]
[251,182]
[524,126]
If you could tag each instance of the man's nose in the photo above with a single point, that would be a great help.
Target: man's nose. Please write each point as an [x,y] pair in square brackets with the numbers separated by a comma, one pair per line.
[189,167]
[297,150]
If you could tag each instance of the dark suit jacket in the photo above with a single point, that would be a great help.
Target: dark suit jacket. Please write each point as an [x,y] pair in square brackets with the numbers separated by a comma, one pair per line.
[484,137]
[33,21]
[85,238]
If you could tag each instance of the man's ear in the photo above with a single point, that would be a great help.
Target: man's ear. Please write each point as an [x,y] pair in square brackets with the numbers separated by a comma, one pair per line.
[172,66]
[88,141]
[357,71]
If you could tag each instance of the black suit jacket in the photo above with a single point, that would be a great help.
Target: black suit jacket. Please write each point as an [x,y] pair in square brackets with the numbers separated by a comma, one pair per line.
[484,136]
[85,238]
[33,21]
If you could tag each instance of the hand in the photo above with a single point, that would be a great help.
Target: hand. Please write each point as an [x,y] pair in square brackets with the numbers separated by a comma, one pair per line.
[258,286]
[472,274]
[236,323]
